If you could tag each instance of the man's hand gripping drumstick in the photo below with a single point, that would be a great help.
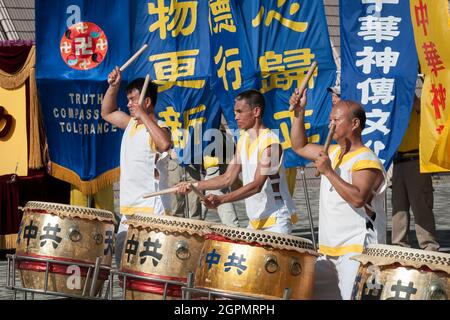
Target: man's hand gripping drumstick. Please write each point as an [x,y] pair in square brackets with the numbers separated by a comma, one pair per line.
[327,144]
[209,201]
[137,110]
[300,143]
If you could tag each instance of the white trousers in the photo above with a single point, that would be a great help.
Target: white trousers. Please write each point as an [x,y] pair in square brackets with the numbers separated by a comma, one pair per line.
[120,240]
[335,277]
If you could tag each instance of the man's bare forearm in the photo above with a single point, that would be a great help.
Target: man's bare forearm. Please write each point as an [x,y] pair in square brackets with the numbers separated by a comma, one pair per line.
[216,183]
[160,136]
[242,193]
[298,132]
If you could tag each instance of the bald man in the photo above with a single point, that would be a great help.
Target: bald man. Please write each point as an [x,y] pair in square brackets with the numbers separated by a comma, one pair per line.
[351,210]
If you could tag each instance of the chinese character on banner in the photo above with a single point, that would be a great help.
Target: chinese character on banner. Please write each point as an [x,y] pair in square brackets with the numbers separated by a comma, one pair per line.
[178,18]
[285,134]
[229,61]
[273,15]
[192,118]
[284,70]
[221,17]
[171,66]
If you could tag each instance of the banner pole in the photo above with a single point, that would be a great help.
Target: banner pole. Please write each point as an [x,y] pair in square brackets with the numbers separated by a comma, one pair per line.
[186,198]
[308,206]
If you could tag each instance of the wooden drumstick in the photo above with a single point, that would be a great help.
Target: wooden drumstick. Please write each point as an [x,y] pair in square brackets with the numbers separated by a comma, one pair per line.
[131,60]
[327,143]
[144,89]
[197,192]
[160,193]
[134,57]
[305,82]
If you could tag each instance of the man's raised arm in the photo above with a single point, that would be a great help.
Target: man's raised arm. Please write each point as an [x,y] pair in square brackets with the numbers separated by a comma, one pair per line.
[110,110]
[299,141]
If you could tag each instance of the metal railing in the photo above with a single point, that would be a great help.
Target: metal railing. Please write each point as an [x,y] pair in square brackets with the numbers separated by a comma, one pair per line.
[93,269]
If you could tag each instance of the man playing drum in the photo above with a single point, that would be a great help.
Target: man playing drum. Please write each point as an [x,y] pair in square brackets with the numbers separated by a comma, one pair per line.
[258,156]
[351,212]
[142,166]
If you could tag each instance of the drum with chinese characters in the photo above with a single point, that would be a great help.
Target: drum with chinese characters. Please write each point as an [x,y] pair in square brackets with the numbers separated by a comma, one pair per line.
[257,264]
[161,249]
[74,238]
[397,273]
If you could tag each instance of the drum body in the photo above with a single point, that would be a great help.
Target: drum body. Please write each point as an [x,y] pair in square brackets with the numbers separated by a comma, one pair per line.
[397,273]
[162,248]
[67,234]
[256,264]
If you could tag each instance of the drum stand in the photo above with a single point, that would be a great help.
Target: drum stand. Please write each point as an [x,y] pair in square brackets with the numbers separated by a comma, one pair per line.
[213,294]
[93,269]
[126,276]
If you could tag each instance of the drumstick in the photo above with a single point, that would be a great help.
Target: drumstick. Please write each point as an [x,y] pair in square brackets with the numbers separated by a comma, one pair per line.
[134,57]
[144,89]
[197,192]
[131,60]
[327,143]
[160,193]
[305,82]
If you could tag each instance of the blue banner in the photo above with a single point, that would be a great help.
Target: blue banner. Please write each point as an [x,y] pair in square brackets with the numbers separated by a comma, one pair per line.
[379,68]
[78,43]
[201,54]
[270,45]
[178,58]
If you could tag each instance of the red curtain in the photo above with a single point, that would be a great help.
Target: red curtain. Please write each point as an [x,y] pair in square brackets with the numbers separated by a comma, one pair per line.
[17,191]
[13,54]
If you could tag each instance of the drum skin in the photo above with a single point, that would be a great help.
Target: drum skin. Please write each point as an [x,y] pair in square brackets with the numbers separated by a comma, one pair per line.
[254,270]
[160,253]
[394,273]
[45,234]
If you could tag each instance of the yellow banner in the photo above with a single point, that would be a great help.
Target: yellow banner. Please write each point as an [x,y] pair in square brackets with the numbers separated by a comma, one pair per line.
[430,21]
[13,132]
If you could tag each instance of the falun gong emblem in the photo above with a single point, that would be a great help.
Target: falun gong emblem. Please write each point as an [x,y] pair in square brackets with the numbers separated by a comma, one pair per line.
[83,46]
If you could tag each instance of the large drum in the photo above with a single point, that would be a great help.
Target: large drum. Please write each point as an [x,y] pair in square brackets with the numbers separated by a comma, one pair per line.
[162,248]
[69,235]
[256,264]
[397,273]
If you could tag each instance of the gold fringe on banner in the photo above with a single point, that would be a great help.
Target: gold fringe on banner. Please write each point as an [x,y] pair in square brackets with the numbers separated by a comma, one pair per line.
[86,187]
[8,241]
[35,158]
[15,80]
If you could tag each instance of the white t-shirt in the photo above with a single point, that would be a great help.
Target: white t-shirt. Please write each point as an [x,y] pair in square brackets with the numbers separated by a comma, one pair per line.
[138,162]
[342,228]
